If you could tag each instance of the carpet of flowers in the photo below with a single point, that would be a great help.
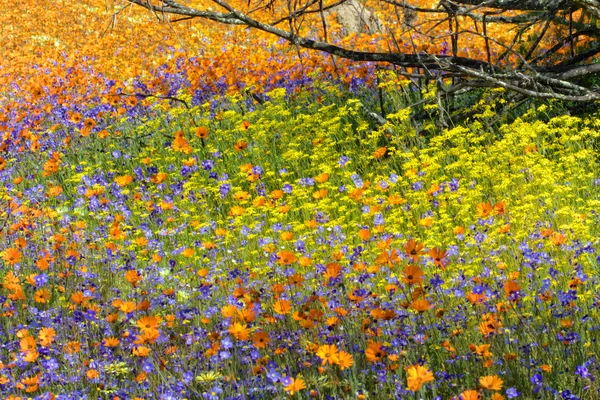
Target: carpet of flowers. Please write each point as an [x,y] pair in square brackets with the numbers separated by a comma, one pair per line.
[210,241]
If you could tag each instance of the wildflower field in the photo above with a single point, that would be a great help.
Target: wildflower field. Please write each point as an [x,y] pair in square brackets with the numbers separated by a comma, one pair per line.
[200,220]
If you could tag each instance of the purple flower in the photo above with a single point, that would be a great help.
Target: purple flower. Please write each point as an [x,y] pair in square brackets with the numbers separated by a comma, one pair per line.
[214,393]
[583,371]
[357,180]
[417,186]
[207,165]
[224,189]
[343,161]
[185,170]
[453,185]
[536,379]
[273,375]
[286,380]
[307,182]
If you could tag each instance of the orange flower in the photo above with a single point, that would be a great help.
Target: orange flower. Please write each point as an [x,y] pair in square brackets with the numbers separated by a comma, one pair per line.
[148,336]
[413,249]
[484,209]
[380,152]
[489,325]
[417,375]
[511,287]
[295,386]
[75,118]
[236,211]
[42,296]
[88,125]
[202,132]
[364,234]
[282,307]
[296,280]
[469,395]
[229,311]
[31,356]
[433,189]
[127,307]
[72,347]
[328,354]
[55,191]
[27,344]
[322,178]
[491,382]
[320,194]
[46,336]
[123,180]
[92,374]
[458,230]
[438,256]
[421,305]
[246,314]
[276,194]
[12,256]
[388,258]
[374,352]
[133,277]
[426,222]
[111,342]
[504,228]
[181,145]
[545,232]
[395,199]
[141,351]
[260,340]
[546,368]
[131,101]
[286,257]
[412,275]
[558,239]
[344,360]
[239,331]
[332,271]
[148,322]
[32,383]
[499,208]
[240,145]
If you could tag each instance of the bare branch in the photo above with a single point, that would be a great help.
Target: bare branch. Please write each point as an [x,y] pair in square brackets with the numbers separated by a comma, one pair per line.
[549,75]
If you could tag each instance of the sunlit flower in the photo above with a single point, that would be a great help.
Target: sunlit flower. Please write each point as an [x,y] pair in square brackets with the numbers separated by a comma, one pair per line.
[491,382]
[328,354]
[294,385]
[417,375]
